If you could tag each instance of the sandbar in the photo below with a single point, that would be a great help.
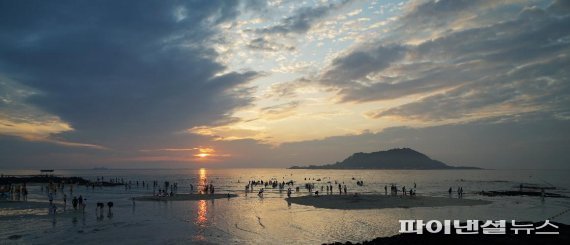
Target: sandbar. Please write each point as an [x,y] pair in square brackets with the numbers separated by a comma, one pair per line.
[185,197]
[349,202]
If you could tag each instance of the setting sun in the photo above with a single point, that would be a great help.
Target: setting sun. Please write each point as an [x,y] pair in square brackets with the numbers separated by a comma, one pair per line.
[204,152]
[202,155]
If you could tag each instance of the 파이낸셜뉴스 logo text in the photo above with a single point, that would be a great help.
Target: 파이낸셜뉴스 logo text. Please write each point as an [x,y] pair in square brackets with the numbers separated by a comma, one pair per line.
[477,227]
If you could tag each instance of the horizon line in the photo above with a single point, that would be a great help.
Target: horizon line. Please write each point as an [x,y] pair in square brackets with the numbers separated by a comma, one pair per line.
[197,168]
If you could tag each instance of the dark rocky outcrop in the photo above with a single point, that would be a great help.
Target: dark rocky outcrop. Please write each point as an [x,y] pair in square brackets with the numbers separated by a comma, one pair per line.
[401,158]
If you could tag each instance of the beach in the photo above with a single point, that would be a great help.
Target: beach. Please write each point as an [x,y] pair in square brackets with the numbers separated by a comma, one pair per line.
[282,122]
[269,219]
[350,202]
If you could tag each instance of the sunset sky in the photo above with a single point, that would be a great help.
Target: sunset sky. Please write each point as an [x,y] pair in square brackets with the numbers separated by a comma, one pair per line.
[186,84]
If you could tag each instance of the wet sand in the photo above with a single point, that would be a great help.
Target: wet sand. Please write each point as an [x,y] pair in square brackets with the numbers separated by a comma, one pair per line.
[9,204]
[349,202]
[185,197]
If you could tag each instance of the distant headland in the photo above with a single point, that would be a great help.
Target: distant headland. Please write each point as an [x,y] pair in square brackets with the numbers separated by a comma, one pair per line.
[399,158]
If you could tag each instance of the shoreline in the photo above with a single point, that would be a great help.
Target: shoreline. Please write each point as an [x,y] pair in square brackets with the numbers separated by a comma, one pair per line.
[185,197]
[44,179]
[350,202]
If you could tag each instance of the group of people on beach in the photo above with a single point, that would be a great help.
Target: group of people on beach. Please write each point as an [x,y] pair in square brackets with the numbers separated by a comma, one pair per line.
[394,190]
[168,190]
[266,184]
[15,192]
[100,207]
[312,188]
[208,188]
[342,189]
[459,191]
[52,189]
[77,202]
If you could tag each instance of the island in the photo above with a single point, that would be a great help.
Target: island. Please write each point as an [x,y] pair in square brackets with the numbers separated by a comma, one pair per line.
[398,158]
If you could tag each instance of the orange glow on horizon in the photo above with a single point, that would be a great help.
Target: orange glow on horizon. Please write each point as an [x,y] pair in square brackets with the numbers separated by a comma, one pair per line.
[202,155]
[204,152]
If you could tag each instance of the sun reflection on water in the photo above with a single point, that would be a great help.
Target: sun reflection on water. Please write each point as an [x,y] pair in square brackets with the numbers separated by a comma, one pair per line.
[202,211]
[202,205]
[201,218]
[203,180]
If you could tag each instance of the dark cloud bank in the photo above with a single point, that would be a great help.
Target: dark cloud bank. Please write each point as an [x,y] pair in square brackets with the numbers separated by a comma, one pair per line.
[121,66]
[124,74]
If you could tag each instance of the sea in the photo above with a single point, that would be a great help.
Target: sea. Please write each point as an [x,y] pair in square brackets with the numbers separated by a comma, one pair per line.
[250,219]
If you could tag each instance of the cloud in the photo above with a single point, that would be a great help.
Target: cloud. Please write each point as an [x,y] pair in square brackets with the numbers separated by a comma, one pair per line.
[302,19]
[119,70]
[292,89]
[20,119]
[17,152]
[559,7]
[279,111]
[356,65]
[425,20]
[295,67]
[544,90]
[97,82]
[264,44]
[511,66]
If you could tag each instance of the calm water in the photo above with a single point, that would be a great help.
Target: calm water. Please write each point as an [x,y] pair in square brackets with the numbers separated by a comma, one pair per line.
[250,219]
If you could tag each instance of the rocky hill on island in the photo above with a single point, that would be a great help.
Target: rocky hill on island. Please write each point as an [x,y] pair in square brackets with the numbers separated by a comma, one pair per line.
[399,158]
